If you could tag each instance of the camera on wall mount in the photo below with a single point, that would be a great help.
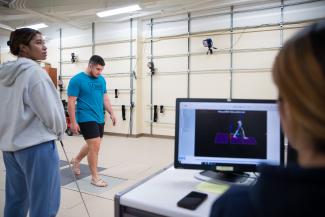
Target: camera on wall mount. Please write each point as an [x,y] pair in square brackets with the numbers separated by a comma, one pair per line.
[151,66]
[74,58]
[209,44]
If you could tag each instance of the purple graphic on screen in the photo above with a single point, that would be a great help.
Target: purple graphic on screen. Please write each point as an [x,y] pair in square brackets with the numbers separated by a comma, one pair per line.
[240,132]
[221,138]
[238,137]
[224,138]
[243,140]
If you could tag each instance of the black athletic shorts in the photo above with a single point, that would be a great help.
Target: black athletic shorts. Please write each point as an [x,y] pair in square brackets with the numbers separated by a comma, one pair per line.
[91,129]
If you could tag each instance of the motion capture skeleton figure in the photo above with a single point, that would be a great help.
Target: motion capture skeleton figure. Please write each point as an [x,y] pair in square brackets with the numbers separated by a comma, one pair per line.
[240,131]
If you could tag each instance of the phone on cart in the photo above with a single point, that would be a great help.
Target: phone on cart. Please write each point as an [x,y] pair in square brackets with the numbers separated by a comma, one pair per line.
[192,200]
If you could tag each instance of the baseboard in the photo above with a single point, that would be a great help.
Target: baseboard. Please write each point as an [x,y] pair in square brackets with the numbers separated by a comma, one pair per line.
[122,135]
[139,135]
[158,136]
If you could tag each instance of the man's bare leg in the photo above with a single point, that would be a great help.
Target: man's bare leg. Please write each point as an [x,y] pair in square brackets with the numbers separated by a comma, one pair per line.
[82,153]
[93,150]
[76,161]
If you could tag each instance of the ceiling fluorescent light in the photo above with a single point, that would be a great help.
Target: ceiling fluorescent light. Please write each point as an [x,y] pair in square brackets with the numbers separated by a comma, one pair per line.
[119,11]
[35,26]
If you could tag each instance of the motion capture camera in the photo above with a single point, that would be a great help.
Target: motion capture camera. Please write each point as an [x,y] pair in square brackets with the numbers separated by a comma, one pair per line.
[74,58]
[151,66]
[209,44]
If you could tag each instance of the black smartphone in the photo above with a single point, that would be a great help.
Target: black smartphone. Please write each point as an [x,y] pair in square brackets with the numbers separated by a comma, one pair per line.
[192,200]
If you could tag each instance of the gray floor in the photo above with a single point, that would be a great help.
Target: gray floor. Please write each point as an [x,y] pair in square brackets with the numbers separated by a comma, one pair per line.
[122,161]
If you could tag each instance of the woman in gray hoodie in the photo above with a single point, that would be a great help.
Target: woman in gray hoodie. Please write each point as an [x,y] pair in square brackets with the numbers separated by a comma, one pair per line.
[31,119]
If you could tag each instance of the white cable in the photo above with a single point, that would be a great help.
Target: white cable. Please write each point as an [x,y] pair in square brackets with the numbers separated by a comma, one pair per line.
[74,177]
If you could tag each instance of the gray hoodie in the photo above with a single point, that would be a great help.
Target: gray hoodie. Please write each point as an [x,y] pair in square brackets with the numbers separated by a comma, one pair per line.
[31,111]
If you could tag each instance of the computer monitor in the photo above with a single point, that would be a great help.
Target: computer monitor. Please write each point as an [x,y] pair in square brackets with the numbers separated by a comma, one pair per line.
[227,137]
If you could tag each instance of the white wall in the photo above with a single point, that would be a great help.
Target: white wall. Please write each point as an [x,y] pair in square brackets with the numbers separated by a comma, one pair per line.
[256,39]
[112,43]
[6,55]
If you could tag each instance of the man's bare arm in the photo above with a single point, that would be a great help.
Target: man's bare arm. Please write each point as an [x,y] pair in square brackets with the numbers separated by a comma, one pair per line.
[72,114]
[108,107]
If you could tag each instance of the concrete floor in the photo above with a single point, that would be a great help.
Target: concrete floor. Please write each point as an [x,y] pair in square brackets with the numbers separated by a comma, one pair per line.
[129,159]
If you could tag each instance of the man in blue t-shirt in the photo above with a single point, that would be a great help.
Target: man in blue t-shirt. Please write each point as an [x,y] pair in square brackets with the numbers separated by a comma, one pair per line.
[88,89]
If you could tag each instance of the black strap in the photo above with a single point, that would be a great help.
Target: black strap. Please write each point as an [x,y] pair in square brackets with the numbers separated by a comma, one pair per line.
[123,112]
[155,113]
[116,93]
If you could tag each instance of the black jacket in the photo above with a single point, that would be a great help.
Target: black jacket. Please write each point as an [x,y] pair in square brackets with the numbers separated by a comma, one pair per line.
[279,192]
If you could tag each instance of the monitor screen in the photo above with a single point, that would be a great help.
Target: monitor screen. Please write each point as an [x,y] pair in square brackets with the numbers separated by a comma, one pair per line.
[237,135]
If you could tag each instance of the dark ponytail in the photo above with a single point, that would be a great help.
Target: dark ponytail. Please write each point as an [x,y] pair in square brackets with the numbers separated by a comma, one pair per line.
[20,36]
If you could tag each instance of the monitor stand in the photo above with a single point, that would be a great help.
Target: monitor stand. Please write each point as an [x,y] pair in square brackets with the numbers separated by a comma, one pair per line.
[222,177]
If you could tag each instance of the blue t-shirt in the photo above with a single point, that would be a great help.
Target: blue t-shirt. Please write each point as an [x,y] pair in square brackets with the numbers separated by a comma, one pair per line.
[90,97]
